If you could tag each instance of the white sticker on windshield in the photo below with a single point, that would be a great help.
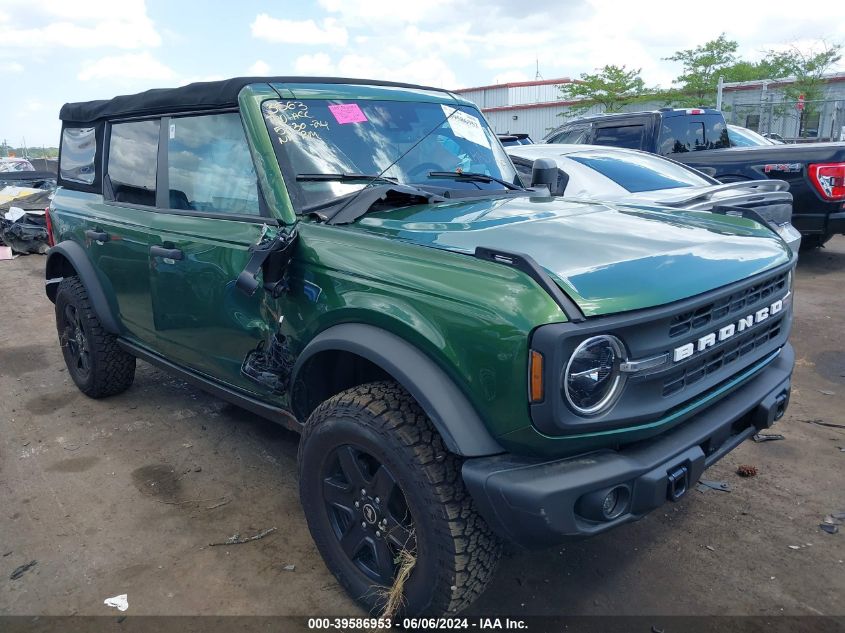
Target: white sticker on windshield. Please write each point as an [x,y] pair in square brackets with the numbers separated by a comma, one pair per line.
[466,126]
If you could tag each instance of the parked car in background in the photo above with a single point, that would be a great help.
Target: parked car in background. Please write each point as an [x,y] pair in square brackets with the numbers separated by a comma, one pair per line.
[634,177]
[774,136]
[508,139]
[743,137]
[699,137]
[9,163]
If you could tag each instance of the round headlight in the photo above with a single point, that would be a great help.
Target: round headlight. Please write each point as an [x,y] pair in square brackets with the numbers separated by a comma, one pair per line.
[592,380]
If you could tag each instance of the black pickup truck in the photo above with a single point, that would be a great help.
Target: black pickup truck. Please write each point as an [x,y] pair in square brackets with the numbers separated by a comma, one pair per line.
[698,137]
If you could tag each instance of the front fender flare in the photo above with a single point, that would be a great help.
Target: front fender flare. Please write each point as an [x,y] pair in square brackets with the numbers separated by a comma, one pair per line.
[454,417]
[70,253]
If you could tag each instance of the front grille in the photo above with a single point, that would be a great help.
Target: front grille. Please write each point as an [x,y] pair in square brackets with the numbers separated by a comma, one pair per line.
[671,389]
[721,357]
[692,320]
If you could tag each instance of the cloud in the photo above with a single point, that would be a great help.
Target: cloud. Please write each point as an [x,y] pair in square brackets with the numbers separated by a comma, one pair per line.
[259,68]
[10,67]
[372,12]
[41,24]
[276,30]
[505,40]
[132,66]
[427,70]
[510,76]
[316,64]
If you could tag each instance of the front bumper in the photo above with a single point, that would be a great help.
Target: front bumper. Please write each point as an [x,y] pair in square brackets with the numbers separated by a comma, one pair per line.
[538,503]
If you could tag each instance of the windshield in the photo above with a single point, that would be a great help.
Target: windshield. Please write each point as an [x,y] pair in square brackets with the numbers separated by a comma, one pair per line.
[640,172]
[318,136]
[743,137]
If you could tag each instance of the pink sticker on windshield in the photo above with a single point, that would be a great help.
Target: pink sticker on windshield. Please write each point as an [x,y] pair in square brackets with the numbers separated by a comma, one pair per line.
[348,113]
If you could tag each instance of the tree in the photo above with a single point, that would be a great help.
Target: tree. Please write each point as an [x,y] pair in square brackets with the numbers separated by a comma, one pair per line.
[696,86]
[806,68]
[610,87]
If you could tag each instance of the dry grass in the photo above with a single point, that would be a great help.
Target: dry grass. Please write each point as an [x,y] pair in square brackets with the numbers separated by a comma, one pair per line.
[395,595]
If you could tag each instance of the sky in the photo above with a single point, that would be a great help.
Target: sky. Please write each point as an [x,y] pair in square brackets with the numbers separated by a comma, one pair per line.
[54,51]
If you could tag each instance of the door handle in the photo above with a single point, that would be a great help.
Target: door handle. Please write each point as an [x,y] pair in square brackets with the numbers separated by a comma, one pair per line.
[166,253]
[97,236]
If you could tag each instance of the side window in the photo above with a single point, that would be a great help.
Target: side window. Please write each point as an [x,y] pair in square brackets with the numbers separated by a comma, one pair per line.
[133,156]
[690,134]
[629,136]
[209,167]
[572,135]
[79,145]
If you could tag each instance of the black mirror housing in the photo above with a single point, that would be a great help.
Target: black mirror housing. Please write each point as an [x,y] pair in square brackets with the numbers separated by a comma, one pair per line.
[545,173]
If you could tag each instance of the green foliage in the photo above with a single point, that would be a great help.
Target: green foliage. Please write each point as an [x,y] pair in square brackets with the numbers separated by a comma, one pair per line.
[807,66]
[31,152]
[702,65]
[610,87]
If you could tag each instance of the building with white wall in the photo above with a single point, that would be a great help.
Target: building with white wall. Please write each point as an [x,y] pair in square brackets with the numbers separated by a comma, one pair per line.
[537,107]
[533,107]
[764,106]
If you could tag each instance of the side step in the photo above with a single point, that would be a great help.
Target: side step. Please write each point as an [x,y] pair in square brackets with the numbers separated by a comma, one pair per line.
[224,392]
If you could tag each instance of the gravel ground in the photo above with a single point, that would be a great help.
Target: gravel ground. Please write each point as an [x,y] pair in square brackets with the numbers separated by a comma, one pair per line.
[124,495]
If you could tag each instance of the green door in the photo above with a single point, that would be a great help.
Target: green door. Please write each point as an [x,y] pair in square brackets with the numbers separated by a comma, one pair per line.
[201,245]
[118,231]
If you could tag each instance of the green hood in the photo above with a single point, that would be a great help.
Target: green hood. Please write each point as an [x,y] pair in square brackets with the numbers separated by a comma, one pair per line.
[608,258]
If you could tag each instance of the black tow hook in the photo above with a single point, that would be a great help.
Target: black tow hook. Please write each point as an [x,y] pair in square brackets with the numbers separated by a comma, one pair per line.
[678,483]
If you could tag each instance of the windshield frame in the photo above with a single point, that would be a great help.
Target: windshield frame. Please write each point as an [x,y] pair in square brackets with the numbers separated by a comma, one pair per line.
[497,160]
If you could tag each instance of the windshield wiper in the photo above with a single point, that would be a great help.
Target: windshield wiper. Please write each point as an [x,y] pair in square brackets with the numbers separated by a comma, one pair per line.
[343,178]
[473,176]
[379,198]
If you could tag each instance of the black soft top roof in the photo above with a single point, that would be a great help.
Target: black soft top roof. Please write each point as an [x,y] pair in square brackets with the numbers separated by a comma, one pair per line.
[203,95]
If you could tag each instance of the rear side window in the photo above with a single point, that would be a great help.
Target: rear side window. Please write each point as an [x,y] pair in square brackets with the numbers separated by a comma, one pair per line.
[79,145]
[685,133]
[628,136]
[133,157]
[209,167]
[636,172]
[572,135]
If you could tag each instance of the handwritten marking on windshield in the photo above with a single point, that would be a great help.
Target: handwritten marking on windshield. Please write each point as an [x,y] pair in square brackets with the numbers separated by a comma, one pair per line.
[291,119]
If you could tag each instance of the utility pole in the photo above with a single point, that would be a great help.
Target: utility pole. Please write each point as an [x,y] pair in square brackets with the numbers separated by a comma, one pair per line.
[719,87]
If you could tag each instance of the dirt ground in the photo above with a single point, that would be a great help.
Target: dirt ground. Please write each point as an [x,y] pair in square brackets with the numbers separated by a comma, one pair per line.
[124,495]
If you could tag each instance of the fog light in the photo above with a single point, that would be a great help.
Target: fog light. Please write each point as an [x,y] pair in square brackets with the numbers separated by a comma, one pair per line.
[604,505]
[611,506]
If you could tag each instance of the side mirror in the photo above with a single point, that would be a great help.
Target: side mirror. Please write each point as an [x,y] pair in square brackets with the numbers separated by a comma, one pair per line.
[545,173]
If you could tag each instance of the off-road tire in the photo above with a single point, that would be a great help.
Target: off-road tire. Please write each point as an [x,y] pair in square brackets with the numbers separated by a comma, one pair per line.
[110,369]
[457,552]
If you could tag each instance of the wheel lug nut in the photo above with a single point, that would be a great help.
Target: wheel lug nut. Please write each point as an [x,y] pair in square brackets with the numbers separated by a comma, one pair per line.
[363,492]
[357,504]
[378,500]
[364,524]
[378,533]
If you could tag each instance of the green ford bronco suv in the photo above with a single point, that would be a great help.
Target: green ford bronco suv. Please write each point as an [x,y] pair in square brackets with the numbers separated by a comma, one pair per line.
[469,362]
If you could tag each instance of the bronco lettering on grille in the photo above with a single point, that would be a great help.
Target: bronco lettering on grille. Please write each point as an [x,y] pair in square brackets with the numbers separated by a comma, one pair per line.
[726,332]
